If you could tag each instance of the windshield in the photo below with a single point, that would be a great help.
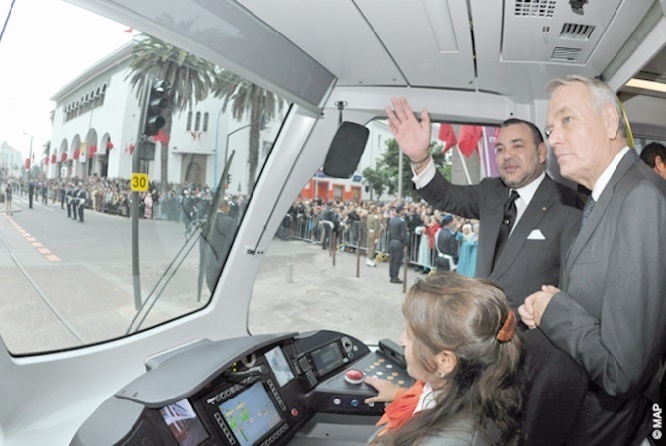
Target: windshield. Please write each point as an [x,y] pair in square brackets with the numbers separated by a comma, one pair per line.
[329,263]
[126,167]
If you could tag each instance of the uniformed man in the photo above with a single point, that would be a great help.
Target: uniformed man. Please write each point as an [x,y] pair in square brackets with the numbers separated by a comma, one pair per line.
[81,199]
[215,250]
[398,240]
[374,226]
[69,198]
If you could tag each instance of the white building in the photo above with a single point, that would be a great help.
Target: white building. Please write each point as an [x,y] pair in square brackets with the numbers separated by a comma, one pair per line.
[96,124]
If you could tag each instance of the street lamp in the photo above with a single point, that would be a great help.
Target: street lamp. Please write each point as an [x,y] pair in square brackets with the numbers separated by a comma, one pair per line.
[30,154]
[217,132]
[226,145]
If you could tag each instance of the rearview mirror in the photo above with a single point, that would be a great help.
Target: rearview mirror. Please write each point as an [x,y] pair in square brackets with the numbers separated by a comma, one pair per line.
[346,149]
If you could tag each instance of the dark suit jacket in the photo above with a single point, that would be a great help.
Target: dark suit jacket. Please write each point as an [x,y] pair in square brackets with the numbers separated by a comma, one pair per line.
[398,230]
[611,314]
[525,263]
[556,385]
[216,249]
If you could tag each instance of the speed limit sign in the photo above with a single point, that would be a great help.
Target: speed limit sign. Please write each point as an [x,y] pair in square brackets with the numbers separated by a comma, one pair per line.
[139,182]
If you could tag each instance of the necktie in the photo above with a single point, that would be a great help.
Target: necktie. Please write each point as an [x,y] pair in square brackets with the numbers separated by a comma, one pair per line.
[587,210]
[510,213]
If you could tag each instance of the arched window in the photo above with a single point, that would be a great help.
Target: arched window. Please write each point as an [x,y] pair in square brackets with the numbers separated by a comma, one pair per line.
[197,122]
[205,123]
[189,121]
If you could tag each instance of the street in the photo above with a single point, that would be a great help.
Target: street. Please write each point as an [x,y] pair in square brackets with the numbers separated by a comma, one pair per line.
[77,283]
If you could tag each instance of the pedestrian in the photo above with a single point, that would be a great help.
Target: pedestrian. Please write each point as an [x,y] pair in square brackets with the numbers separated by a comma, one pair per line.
[8,199]
[398,239]
[374,227]
[654,155]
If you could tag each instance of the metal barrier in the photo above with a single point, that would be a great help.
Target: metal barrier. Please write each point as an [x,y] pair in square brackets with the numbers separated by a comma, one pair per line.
[354,237]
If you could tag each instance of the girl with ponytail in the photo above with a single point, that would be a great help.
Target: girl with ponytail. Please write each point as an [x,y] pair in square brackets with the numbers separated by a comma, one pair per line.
[463,350]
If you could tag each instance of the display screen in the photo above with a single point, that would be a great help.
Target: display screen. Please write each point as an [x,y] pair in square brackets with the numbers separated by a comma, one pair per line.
[327,358]
[279,366]
[251,414]
[183,423]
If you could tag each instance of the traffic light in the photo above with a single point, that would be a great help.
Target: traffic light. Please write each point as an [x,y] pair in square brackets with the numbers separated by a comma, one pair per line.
[157,102]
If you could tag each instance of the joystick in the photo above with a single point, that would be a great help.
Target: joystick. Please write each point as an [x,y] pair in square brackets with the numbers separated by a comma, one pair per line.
[353,376]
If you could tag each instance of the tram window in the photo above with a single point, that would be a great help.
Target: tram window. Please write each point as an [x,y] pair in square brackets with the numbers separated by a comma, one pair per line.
[302,287]
[68,283]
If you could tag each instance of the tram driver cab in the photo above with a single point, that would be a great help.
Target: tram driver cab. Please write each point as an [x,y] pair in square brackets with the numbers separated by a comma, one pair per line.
[110,333]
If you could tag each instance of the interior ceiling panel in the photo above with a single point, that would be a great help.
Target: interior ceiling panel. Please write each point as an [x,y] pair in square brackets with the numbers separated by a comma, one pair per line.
[336,34]
[375,42]
[493,46]
[581,43]
[418,35]
[557,34]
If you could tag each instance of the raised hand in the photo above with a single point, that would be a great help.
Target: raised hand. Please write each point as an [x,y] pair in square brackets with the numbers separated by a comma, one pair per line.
[412,135]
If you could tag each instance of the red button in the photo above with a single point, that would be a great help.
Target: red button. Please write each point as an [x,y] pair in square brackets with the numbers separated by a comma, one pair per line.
[353,376]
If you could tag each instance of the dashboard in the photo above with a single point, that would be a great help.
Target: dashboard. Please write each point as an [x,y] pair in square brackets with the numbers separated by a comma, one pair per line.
[248,391]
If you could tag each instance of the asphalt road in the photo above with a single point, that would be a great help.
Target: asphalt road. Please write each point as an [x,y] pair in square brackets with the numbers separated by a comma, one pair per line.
[82,271]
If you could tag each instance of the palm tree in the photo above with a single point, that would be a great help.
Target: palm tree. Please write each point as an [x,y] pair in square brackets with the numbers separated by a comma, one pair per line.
[188,76]
[247,98]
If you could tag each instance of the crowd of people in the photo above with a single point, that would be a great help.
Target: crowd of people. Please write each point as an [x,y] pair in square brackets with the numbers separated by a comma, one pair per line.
[365,226]
[183,202]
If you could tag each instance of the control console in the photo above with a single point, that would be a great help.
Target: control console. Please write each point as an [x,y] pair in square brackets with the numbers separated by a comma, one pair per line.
[249,391]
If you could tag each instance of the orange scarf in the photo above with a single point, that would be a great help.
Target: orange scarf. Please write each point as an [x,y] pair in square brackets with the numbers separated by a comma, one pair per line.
[401,408]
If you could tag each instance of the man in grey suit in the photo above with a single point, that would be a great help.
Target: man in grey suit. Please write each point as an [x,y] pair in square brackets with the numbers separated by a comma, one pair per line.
[545,224]
[609,313]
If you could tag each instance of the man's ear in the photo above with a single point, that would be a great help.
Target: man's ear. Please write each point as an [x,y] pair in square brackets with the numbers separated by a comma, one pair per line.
[542,150]
[446,362]
[611,121]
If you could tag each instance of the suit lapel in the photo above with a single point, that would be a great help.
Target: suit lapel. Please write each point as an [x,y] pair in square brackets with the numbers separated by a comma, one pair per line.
[599,209]
[535,211]
[490,230]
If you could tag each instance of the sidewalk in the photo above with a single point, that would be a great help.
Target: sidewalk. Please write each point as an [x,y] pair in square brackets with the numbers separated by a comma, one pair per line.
[298,289]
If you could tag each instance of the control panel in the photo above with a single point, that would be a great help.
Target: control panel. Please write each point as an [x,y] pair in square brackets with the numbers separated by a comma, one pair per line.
[250,391]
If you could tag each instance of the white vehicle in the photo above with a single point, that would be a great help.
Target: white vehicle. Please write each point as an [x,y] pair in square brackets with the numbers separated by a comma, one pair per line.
[142,324]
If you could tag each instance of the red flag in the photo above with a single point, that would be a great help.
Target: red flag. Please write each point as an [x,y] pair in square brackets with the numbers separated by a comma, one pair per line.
[109,145]
[46,161]
[131,148]
[53,159]
[468,138]
[27,163]
[92,151]
[63,157]
[447,135]
[128,30]
[77,153]
[161,137]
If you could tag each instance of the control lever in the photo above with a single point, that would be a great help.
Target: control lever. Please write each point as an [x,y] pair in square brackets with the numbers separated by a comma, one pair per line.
[393,350]
[241,375]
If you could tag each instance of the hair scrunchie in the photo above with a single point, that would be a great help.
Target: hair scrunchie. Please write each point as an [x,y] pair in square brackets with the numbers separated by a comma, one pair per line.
[505,333]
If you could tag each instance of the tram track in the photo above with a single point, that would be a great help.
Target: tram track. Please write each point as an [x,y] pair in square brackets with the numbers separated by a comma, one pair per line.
[59,316]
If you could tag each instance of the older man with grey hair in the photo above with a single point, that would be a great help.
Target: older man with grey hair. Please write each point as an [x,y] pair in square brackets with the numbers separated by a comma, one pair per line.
[609,311]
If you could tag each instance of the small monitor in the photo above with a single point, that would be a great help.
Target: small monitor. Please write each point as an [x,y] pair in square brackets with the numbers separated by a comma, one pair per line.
[251,414]
[183,423]
[327,358]
[279,366]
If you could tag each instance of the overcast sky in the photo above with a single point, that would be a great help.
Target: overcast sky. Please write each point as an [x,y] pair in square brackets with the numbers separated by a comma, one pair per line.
[45,45]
